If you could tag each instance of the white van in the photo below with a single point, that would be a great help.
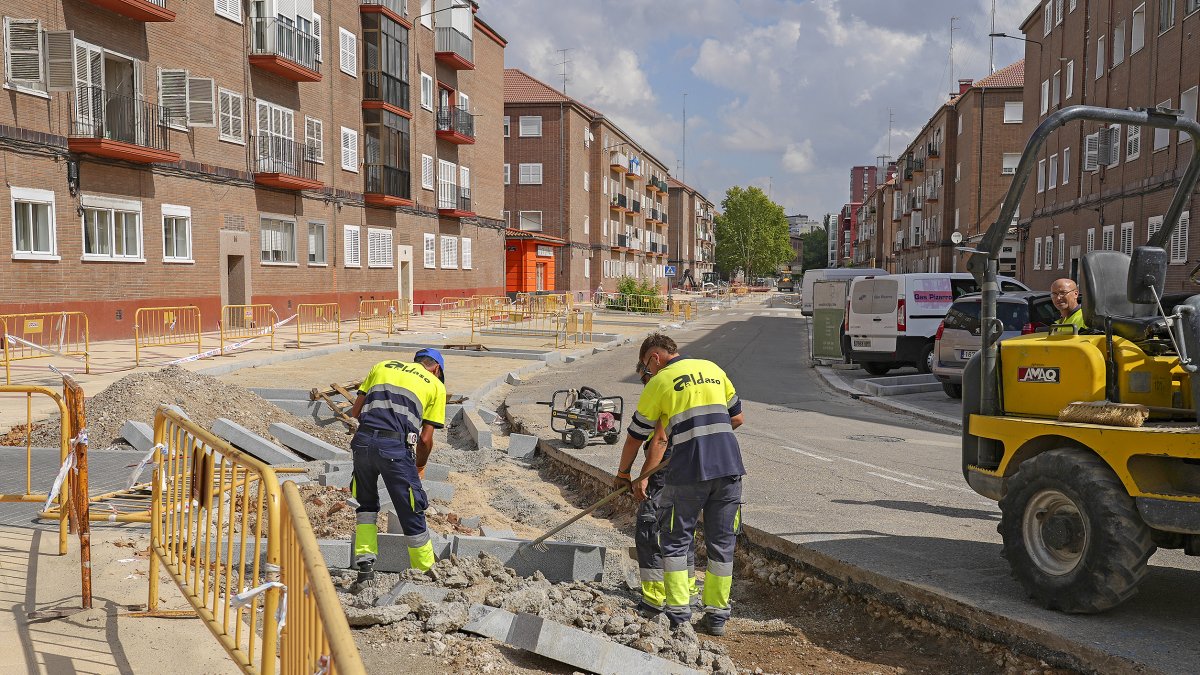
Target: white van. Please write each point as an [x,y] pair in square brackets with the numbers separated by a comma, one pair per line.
[893,318]
[830,274]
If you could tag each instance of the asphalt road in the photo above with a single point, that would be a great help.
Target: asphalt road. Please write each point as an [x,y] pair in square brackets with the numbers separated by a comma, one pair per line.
[876,489]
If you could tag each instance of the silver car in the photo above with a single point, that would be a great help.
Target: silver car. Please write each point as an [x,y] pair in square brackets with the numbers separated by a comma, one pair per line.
[958,338]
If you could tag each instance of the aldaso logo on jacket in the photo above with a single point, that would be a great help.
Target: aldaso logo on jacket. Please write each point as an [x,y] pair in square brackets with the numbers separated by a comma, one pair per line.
[684,381]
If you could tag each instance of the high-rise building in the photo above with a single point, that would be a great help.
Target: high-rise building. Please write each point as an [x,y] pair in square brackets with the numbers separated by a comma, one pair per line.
[863,179]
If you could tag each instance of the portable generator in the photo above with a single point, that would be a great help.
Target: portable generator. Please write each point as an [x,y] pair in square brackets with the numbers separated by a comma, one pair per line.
[579,415]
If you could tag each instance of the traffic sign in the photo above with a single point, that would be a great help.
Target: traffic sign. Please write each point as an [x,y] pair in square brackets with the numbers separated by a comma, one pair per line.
[956,238]
[669,271]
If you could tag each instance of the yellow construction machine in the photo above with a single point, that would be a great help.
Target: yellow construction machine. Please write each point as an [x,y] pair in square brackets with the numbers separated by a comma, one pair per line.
[1085,504]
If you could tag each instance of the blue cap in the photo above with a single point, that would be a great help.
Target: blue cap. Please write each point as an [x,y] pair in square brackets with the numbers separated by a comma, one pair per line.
[436,356]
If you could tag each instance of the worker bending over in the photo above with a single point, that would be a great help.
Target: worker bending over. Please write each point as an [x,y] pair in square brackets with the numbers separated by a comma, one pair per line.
[696,404]
[645,535]
[398,407]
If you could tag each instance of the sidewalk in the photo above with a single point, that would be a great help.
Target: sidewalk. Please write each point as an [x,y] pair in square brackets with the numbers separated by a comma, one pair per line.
[935,407]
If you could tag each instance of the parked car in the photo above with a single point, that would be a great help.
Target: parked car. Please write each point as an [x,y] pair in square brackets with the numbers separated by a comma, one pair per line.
[893,318]
[959,336]
[830,274]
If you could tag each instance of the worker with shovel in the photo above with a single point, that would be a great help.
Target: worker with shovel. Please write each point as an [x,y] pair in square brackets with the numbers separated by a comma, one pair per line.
[699,409]
[398,407]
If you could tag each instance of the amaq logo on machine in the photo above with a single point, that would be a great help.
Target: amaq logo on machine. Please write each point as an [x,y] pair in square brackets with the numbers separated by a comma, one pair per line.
[1038,374]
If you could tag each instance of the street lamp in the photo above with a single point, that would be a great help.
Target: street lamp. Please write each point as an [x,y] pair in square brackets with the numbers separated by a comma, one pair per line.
[456,4]
[1014,37]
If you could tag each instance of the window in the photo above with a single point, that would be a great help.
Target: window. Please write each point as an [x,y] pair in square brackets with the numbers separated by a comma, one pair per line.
[1062,249]
[230,9]
[587,225]
[1106,238]
[112,229]
[1055,88]
[348,52]
[426,172]
[530,125]
[1069,82]
[1091,239]
[1037,254]
[1179,238]
[1137,30]
[427,94]
[1073,3]
[1118,46]
[379,247]
[314,140]
[427,13]
[1066,166]
[430,251]
[1127,238]
[1048,261]
[1187,102]
[1162,137]
[508,174]
[530,221]
[232,126]
[186,101]
[449,252]
[316,244]
[177,233]
[960,123]
[958,172]
[1041,176]
[1014,112]
[1052,181]
[1045,96]
[1166,15]
[529,174]
[507,126]
[351,246]
[1047,18]
[33,224]
[277,241]
[1111,144]
[1191,6]
[587,269]
[466,253]
[349,149]
[1101,57]
[587,182]
[1091,152]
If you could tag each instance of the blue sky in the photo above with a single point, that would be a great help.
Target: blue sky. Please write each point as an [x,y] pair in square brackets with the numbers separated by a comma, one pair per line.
[785,94]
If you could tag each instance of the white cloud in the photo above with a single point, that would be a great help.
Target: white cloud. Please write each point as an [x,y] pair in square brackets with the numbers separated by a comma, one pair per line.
[799,157]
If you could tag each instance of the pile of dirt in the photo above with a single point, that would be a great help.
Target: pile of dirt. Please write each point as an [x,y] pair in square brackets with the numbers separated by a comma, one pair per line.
[203,398]
[333,517]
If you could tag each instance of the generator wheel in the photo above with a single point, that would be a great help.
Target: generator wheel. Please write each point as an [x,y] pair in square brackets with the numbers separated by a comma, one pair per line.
[611,437]
[1072,534]
[578,439]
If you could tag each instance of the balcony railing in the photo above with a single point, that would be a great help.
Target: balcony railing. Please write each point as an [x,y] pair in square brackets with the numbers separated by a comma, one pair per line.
[455,48]
[457,121]
[618,160]
[934,149]
[386,87]
[637,206]
[104,116]
[277,155]
[654,247]
[272,37]
[388,180]
[620,201]
[918,165]
[623,241]
[138,10]
[397,7]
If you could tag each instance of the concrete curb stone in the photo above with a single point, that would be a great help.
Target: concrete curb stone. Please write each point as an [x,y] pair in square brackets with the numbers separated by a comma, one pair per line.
[244,439]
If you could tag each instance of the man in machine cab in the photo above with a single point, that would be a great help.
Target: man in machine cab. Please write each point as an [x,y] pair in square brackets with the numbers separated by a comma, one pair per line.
[1064,293]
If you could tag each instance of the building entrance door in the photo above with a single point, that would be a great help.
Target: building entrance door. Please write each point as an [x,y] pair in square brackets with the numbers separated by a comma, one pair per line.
[235,271]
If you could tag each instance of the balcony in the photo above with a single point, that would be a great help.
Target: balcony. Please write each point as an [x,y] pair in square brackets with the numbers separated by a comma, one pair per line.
[455,203]
[622,242]
[637,206]
[918,165]
[916,203]
[283,163]
[618,160]
[634,169]
[105,124]
[618,203]
[456,125]
[396,10]
[933,194]
[387,186]
[654,215]
[281,48]
[455,49]
[933,149]
[149,11]
[385,91]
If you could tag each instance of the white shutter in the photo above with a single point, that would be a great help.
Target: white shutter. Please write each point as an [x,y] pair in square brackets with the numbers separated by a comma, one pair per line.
[60,60]
[1091,152]
[314,139]
[348,44]
[1179,238]
[430,251]
[172,96]
[1133,142]
[1037,254]
[230,9]
[464,180]
[225,114]
[316,29]
[449,252]
[1091,239]
[353,246]
[23,51]
[466,253]
[201,97]
[349,149]
[427,172]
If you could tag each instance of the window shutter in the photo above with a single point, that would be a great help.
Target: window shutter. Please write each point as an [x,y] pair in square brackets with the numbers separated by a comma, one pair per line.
[430,251]
[464,180]
[60,60]
[348,44]
[172,96]
[1091,152]
[1133,142]
[314,139]
[349,149]
[316,28]
[1091,240]
[353,246]
[427,172]
[228,8]
[225,114]
[466,253]
[22,43]
[1179,238]
[200,99]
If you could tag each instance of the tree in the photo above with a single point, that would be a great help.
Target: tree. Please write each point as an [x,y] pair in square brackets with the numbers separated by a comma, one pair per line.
[752,233]
[816,249]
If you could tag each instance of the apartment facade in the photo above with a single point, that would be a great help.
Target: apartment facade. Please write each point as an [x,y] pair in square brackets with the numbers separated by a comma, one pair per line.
[692,238]
[863,180]
[1108,187]
[574,176]
[160,154]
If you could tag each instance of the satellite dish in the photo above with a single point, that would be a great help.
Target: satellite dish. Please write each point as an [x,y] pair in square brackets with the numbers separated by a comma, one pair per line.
[956,238]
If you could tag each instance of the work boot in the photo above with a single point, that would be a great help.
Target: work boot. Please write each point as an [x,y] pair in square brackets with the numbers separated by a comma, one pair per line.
[647,610]
[713,625]
[366,574]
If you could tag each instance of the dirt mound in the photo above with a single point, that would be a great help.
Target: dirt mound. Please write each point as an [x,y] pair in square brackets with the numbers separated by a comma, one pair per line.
[203,398]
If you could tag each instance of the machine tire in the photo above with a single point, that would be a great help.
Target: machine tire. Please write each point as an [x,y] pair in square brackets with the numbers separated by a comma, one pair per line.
[952,390]
[877,369]
[925,363]
[1115,546]
[578,439]
[611,437]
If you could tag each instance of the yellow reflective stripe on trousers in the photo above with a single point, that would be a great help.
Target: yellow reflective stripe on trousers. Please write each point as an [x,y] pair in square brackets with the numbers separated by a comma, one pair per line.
[412,500]
[654,593]
[422,557]
[366,539]
[718,580]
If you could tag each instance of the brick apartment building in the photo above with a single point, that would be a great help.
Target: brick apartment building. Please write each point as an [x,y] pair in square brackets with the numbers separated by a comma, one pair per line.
[1107,188]
[954,174]
[166,153]
[863,180]
[692,234]
[876,229]
[578,180]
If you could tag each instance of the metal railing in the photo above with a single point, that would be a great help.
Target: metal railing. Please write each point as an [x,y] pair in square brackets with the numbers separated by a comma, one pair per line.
[380,85]
[273,37]
[623,240]
[637,206]
[318,319]
[451,40]
[464,199]
[247,322]
[275,154]
[382,179]
[63,444]
[96,113]
[618,160]
[456,120]
[377,315]
[165,326]
[43,335]
[619,201]
[621,302]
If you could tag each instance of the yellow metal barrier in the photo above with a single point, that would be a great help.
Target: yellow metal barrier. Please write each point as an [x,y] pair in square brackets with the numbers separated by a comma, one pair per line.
[28,392]
[317,638]
[243,322]
[318,320]
[164,326]
[43,335]
[378,315]
[454,308]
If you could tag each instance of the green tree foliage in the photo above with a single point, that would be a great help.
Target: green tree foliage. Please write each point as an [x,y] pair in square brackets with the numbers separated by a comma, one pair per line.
[816,249]
[752,233]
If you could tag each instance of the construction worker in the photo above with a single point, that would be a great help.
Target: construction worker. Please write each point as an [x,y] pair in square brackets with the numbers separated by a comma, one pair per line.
[398,407]
[699,409]
[1064,293]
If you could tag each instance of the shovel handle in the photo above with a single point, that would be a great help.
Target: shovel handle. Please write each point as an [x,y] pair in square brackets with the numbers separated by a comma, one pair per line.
[613,495]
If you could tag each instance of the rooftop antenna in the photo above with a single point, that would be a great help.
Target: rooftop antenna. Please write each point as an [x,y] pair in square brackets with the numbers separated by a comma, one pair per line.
[992,47]
[566,61]
[891,122]
[683,171]
[953,82]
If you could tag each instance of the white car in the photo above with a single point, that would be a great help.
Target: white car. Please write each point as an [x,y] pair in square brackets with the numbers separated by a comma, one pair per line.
[830,274]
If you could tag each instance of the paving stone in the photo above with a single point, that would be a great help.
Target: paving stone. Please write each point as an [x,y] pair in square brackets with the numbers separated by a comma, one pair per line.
[438,490]
[435,471]
[339,479]
[453,412]
[244,439]
[427,592]
[179,411]
[339,466]
[472,522]
[282,394]
[490,622]
[298,479]
[513,378]
[479,429]
[522,446]
[498,532]
[562,561]
[336,553]
[590,652]
[393,550]
[138,434]
[488,416]
[304,444]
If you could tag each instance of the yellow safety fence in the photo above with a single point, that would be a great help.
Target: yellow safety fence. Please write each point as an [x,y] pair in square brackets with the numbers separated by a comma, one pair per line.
[576,325]
[42,335]
[552,303]
[454,308]
[218,528]
[164,326]
[7,393]
[380,315]
[244,322]
[639,304]
[319,319]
